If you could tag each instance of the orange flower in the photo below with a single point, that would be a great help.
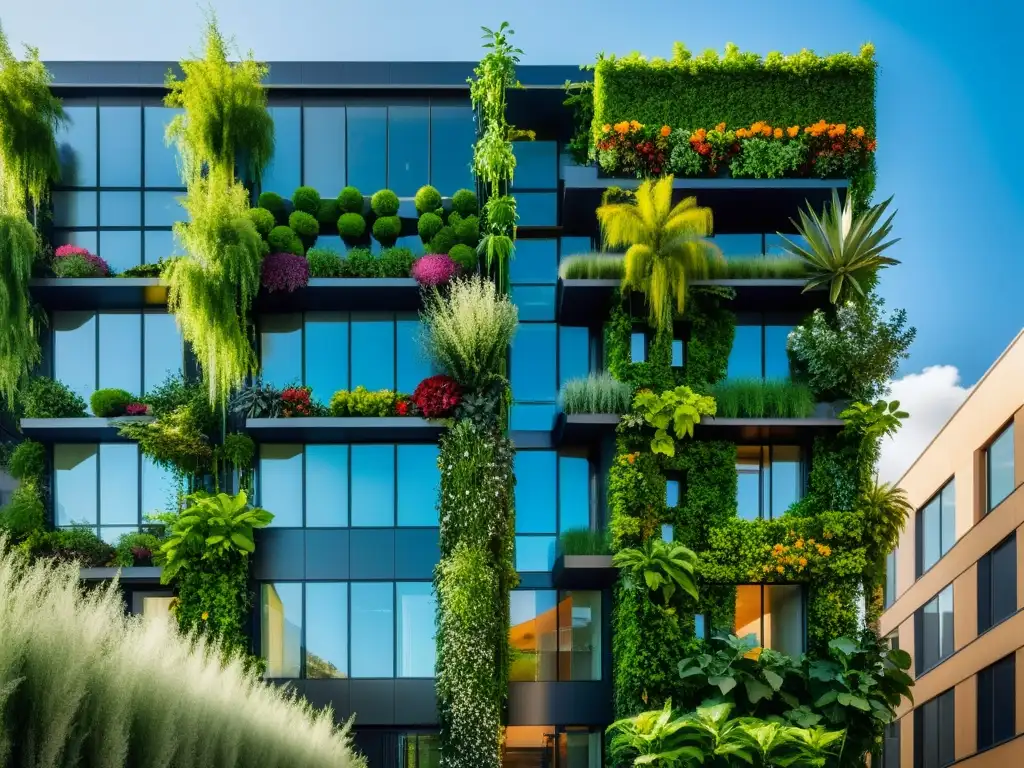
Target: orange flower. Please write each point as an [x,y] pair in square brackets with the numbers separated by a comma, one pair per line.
[841,129]
[793,130]
[631,458]
[756,127]
[780,569]
[766,131]
[777,548]
[858,131]
[741,133]
[720,127]
[803,562]
[778,133]
[698,136]
[605,128]
[635,126]
[871,145]
[665,130]
[622,127]
[799,544]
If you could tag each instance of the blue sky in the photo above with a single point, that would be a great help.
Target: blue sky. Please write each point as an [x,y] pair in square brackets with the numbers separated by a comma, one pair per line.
[949,104]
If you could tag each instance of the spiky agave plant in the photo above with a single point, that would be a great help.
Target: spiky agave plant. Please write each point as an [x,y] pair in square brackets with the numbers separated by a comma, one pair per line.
[29,117]
[81,683]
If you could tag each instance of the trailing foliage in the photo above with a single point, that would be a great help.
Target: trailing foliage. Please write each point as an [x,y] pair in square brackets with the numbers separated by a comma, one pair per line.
[46,398]
[78,545]
[762,398]
[597,393]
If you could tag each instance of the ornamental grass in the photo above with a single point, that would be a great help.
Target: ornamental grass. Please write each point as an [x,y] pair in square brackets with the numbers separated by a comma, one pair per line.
[82,683]
[597,393]
[584,541]
[763,398]
[592,266]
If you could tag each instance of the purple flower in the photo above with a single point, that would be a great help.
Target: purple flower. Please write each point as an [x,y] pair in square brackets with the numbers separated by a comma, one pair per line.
[434,269]
[285,272]
[96,265]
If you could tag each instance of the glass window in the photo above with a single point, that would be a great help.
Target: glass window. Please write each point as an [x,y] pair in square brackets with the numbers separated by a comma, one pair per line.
[745,355]
[281,625]
[373,630]
[890,578]
[533,625]
[933,631]
[573,353]
[413,363]
[120,351]
[121,250]
[75,477]
[326,485]
[326,630]
[579,636]
[532,416]
[158,245]
[997,584]
[119,484]
[999,463]
[120,146]
[417,608]
[367,148]
[936,527]
[164,209]
[373,353]
[535,553]
[531,746]
[419,750]
[769,480]
[573,492]
[74,351]
[535,491]
[157,606]
[534,302]
[452,135]
[776,359]
[74,209]
[533,362]
[373,485]
[326,350]
[775,246]
[786,478]
[772,615]
[283,172]
[408,152]
[120,209]
[161,160]
[419,482]
[668,532]
[537,209]
[997,702]
[87,240]
[536,261]
[163,350]
[638,347]
[281,348]
[536,165]
[280,483]
[159,488]
[323,133]
[934,732]
[672,493]
[738,244]
[76,147]
[678,353]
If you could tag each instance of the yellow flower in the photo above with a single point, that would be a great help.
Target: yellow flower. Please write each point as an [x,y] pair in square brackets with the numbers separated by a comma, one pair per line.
[780,569]
[634,125]
[741,133]
[622,127]
[720,127]
[810,542]
[793,131]
[778,133]
[206,615]
[605,128]
[756,127]
[803,562]
[859,131]
[799,544]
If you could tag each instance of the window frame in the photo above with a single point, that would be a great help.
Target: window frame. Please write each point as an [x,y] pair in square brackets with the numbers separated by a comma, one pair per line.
[997,677]
[1006,429]
[919,632]
[988,581]
[709,630]
[943,701]
[919,529]
[764,489]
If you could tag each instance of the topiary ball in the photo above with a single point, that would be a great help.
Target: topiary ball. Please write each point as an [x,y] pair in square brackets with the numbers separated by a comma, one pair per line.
[328,212]
[307,200]
[351,200]
[428,226]
[108,403]
[384,203]
[273,202]
[428,199]
[467,230]
[284,240]
[464,256]
[305,226]
[351,227]
[263,220]
[386,230]
[464,202]
[443,241]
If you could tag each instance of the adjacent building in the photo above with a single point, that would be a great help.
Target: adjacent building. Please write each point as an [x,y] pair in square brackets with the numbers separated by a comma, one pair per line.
[955,591]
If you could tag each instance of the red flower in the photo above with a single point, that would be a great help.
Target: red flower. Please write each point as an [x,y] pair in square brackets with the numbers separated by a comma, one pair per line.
[296,401]
[402,408]
[136,409]
[437,396]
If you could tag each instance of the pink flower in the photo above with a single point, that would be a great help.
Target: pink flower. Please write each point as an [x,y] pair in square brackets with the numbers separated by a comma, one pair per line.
[99,267]
[70,250]
[136,409]
[285,272]
[434,269]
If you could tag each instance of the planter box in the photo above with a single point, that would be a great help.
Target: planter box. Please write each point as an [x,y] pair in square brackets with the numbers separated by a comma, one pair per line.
[361,294]
[353,429]
[133,575]
[757,431]
[94,293]
[89,429]
[584,572]
[585,428]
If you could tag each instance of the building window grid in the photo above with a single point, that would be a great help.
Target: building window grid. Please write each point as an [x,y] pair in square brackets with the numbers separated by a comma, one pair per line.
[563,620]
[763,589]
[934,644]
[934,731]
[1004,444]
[997,700]
[943,507]
[997,584]
[765,472]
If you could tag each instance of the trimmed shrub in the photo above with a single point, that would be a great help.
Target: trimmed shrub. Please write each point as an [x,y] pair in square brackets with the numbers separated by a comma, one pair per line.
[351,200]
[361,263]
[273,202]
[396,262]
[263,220]
[384,203]
[323,262]
[284,240]
[72,261]
[328,212]
[464,203]
[108,403]
[351,227]
[307,200]
[27,460]
[428,226]
[443,241]
[45,398]
[427,199]
[467,230]
[69,545]
[465,257]
[386,230]
[362,402]
[305,226]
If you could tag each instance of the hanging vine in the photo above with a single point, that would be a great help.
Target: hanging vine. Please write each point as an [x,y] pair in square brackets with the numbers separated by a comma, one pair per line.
[29,117]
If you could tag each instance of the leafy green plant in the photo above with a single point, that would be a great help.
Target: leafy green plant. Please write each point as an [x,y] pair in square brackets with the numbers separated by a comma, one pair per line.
[665,245]
[465,257]
[328,212]
[362,402]
[174,441]
[135,549]
[282,239]
[111,402]
[386,230]
[768,159]
[360,262]
[307,200]
[592,266]
[25,512]
[27,460]
[46,398]
[663,567]
[78,544]
[351,227]
[762,398]
[427,200]
[396,262]
[384,202]
[351,200]
[758,267]
[263,219]
[881,419]
[584,541]
[677,409]
[466,228]
[597,393]
[323,262]
[152,269]
[469,330]
[274,204]
[844,251]
[257,401]
[442,241]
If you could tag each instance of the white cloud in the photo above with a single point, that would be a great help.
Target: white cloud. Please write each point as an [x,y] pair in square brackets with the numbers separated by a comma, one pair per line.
[930,397]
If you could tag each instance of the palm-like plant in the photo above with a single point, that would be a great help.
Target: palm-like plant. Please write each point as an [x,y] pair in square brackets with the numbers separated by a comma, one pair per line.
[664,567]
[665,245]
[843,251]
[885,508]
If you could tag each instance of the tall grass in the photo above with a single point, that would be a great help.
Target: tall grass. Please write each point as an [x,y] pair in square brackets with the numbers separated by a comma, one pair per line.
[597,393]
[83,684]
[584,541]
[763,398]
[592,266]
[598,266]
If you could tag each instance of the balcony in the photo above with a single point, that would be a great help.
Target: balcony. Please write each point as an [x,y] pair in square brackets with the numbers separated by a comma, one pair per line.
[740,205]
[349,429]
[89,429]
[584,572]
[99,293]
[133,575]
[360,294]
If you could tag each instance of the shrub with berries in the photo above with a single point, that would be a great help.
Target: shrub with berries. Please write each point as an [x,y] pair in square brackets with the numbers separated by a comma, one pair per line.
[437,396]
[296,401]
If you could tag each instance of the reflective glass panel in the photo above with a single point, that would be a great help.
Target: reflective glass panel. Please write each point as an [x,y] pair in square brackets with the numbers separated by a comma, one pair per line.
[326,630]
[326,485]
[408,151]
[373,630]
[163,349]
[452,135]
[120,146]
[87,240]
[74,351]
[121,250]
[120,209]
[946,622]
[776,359]
[748,481]
[1000,468]
[76,147]
[158,245]
[533,625]
[281,483]
[573,492]
[579,636]
[161,160]
[637,347]
[74,470]
[537,209]
[367,148]
[373,485]
[535,302]
[533,416]
[775,246]
[536,261]
[419,482]
[120,351]
[747,617]
[533,362]
[281,625]
[573,353]
[163,209]
[783,619]
[535,491]
[119,484]
[74,209]
[159,488]
[283,172]
[373,353]
[536,165]
[413,362]
[671,493]
[745,356]
[323,130]
[947,500]
[417,608]
[931,517]
[738,244]
[787,484]
[678,353]
[326,340]
[535,553]
[281,349]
